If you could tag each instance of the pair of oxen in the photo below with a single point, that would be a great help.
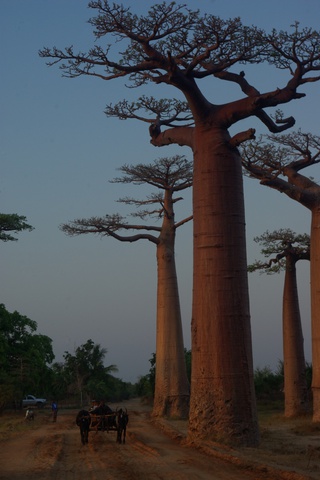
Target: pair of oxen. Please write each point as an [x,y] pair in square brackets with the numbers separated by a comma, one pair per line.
[111,421]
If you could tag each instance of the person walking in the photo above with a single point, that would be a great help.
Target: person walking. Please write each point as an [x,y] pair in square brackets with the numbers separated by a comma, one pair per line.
[54,408]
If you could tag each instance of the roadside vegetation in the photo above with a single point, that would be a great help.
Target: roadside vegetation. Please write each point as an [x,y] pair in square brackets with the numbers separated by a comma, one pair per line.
[27,366]
[268,383]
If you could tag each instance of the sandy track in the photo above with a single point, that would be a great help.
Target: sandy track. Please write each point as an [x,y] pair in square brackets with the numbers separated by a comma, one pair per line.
[53,451]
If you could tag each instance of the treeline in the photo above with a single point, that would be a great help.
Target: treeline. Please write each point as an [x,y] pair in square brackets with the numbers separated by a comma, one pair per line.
[269,384]
[26,366]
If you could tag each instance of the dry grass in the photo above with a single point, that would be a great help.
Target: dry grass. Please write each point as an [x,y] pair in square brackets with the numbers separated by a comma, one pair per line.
[14,423]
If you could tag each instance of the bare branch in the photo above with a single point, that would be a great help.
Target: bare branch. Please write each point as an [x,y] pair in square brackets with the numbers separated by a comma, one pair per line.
[162,112]
[172,136]
[182,222]
[241,137]
[108,226]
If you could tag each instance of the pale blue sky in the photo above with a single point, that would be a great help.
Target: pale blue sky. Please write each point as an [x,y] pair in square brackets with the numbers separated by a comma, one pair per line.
[59,151]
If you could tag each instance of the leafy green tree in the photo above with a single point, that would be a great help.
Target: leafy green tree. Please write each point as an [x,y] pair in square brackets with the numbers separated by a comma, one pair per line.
[84,370]
[268,384]
[59,381]
[152,372]
[174,46]
[188,357]
[98,384]
[118,390]
[146,384]
[309,375]
[24,356]
[143,388]
[11,222]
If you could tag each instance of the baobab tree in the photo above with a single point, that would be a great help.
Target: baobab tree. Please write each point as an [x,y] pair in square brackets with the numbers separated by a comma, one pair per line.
[277,162]
[282,250]
[176,46]
[169,175]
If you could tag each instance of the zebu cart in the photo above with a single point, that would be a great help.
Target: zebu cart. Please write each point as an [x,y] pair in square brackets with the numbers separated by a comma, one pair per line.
[104,423]
[112,421]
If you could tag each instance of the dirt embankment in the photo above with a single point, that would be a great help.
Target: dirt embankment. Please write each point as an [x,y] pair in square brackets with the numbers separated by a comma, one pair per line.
[290,450]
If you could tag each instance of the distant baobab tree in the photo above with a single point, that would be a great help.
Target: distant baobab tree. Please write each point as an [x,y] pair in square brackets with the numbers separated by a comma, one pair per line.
[176,46]
[277,162]
[169,175]
[282,250]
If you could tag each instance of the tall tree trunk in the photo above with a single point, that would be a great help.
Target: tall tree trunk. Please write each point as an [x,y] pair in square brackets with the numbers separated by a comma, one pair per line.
[222,404]
[172,390]
[295,385]
[315,309]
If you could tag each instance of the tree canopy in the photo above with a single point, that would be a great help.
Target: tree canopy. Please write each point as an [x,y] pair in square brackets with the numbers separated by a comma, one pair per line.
[169,175]
[277,246]
[177,46]
[278,160]
[24,356]
[84,371]
[11,222]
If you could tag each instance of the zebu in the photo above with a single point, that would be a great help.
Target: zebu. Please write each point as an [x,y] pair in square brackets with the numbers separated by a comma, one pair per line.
[122,422]
[83,421]
[29,414]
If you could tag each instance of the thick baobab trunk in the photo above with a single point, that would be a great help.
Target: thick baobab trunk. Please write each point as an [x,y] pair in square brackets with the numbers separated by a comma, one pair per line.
[222,403]
[172,390]
[315,309]
[295,385]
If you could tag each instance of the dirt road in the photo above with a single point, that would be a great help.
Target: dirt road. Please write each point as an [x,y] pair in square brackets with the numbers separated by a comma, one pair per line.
[53,451]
